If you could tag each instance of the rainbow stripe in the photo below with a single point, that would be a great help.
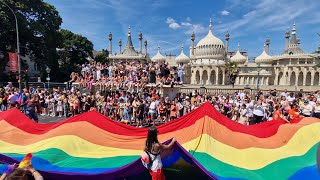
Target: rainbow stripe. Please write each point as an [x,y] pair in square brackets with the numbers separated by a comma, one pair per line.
[90,146]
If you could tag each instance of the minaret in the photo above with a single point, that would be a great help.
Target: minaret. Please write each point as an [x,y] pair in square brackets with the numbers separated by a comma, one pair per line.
[193,37]
[146,46]
[293,39]
[227,43]
[287,38]
[120,44]
[298,40]
[140,41]
[110,43]
[267,45]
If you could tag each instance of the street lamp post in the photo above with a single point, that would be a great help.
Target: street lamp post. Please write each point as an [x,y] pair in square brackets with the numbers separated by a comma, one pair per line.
[48,78]
[258,80]
[18,46]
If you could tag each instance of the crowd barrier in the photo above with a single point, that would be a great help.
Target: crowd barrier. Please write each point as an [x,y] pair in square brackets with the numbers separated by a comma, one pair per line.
[41,85]
[184,89]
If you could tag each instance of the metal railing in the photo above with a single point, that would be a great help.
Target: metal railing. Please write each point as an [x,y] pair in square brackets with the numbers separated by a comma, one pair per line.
[228,90]
[41,85]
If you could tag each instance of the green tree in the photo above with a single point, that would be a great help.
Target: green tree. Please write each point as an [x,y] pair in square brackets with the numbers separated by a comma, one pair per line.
[39,23]
[73,51]
[232,71]
[102,56]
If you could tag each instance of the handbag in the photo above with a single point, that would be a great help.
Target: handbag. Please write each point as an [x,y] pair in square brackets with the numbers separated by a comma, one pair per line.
[146,159]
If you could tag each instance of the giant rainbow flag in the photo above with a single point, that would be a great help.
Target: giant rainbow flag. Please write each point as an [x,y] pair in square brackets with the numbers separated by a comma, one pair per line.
[90,146]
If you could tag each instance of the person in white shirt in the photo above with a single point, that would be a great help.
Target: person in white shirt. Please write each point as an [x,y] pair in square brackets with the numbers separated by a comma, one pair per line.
[316,112]
[290,98]
[242,95]
[258,114]
[243,119]
[285,93]
[153,110]
[318,96]
[306,109]
[312,103]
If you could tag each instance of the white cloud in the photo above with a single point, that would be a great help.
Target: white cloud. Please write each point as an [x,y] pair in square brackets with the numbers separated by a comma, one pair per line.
[278,14]
[174,26]
[186,24]
[225,13]
[197,29]
[172,23]
[170,20]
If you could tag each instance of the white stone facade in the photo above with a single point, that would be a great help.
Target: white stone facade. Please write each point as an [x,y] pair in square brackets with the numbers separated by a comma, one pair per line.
[292,68]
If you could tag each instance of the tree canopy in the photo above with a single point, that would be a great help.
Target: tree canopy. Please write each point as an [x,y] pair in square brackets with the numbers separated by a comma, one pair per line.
[232,70]
[102,56]
[40,38]
[39,23]
[73,50]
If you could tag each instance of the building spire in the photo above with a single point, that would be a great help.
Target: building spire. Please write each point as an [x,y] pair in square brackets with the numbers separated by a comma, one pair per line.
[239,47]
[210,26]
[129,31]
[293,39]
[129,49]
[294,28]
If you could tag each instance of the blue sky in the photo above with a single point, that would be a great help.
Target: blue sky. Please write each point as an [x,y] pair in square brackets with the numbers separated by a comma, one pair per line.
[169,23]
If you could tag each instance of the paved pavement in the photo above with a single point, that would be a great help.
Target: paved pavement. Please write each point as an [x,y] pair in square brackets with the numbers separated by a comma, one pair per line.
[49,119]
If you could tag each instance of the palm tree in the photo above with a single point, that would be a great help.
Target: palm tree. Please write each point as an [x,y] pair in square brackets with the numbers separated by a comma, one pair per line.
[232,71]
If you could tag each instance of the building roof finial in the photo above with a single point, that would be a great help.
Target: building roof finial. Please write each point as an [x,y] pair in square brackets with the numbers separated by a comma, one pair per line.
[210,26]
[129,31]
[294,28]
[227,35]
[238,46]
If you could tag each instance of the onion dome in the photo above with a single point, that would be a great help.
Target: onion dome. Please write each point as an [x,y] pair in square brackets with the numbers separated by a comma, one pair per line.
[210,46]
[264,57]
[182,58]
[238,57]
[158,57]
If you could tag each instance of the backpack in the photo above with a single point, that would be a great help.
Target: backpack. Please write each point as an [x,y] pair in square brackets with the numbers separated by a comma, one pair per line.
[146,159]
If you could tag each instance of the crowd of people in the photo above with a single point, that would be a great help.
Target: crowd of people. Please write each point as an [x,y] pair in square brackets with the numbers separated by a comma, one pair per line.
[149,107]
[131,76]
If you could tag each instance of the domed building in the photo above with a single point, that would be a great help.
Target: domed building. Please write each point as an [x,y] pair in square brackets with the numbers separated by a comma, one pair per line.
[208,60]
[182,58]
[258,72]
[185,60]
[158,57]
[238,57]
[128,53]
[293,69]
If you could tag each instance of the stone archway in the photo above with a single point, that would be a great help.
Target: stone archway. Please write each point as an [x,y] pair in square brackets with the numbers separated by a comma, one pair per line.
[308,79]
[293,79]
[197,77]
[316,79]
[280,78]
[213,77]
[300,79]
[205,77]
